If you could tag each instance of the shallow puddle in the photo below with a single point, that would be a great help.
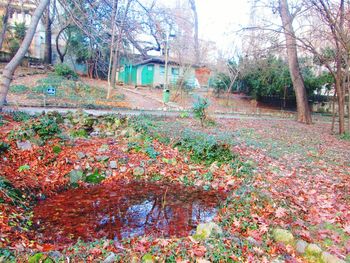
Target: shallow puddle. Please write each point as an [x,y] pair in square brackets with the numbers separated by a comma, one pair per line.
[118,211]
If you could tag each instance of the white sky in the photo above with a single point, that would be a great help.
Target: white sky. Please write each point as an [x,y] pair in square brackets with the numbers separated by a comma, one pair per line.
[219,19]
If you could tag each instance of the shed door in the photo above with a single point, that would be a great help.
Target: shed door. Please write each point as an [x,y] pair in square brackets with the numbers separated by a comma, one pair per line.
[147,75]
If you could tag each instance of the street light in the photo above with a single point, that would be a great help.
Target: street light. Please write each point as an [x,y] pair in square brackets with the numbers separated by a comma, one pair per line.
[166,92]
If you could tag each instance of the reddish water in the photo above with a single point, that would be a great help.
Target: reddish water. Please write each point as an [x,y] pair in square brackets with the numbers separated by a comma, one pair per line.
[118,211]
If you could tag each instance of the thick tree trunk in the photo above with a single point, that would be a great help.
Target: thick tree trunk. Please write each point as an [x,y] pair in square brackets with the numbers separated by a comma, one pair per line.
[5,19]
[303,111]
[48,34]
[196,37]
[16,60]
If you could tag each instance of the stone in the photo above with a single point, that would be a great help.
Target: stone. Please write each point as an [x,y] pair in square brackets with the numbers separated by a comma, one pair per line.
[253,241]
[24,146]
[214,167]
[102,158]
[113,164]
[283,236]
[329,258]
[75,176]
[301,246]
[81,155]
[313,250]
[138,171]
[55,255]
[103,148]
[205,230]
[110,258]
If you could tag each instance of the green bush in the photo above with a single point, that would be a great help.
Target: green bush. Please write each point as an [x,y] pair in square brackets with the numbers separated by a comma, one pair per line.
[65,71]
[199,108]
[345,136]
[18,88]
[46,127]
[204,148]
[20,116]
[10,191]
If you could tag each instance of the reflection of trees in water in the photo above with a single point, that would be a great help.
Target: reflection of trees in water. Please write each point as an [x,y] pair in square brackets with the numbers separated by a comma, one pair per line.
[159,215]
[121,211]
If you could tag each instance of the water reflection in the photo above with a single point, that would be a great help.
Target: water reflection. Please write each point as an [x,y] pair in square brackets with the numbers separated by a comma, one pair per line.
[118,211]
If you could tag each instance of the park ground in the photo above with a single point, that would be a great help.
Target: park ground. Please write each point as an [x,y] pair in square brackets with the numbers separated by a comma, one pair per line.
[28,89]
[284,186]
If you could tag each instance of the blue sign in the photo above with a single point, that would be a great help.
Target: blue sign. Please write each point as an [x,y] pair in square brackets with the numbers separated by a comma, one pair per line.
[51,91]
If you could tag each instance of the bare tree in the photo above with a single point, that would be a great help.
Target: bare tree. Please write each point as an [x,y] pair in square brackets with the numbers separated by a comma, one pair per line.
[16,60]
[303,111]
[5,22]
[196,37]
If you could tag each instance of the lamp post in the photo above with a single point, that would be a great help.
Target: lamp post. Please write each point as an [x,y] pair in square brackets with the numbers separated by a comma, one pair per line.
[166,91]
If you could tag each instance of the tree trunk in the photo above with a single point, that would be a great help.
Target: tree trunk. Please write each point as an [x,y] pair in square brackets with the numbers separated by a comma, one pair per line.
[16,60]
[59,52]
[4,23]
[111,53]
[196,37]
[48,34]
[303,111]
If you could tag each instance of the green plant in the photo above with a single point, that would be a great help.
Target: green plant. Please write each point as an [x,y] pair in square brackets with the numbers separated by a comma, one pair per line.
[4,147]
[56,149]
[199,108]
[345,136]
[10,191]
[20,116]
[151,152]
[94,178]
[23,168]
[204,148]
[65,71]
[18,88]
[46,127]
[81,133]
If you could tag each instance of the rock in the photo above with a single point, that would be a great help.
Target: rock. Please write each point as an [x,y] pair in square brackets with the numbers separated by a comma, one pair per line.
[301,246]
[109,134]
[75,176]
[102,158]
[202,260]
[55,255]
[81,155]
[253,241]
[205,230]
[110,258]
[329,258]
[24,146]
[138,171]
[313,250]
[283,236]
[113,165]
[103,148]
[214,167]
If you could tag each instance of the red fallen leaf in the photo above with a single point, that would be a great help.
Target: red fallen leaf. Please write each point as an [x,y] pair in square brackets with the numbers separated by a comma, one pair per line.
[199,251]
[95,251]
[47,247]
[280,212]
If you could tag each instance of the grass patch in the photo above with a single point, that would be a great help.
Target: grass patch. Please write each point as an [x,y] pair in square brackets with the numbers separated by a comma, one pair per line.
[18,88]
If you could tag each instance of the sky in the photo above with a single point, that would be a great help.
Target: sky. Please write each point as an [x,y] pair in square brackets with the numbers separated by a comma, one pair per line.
[219,19]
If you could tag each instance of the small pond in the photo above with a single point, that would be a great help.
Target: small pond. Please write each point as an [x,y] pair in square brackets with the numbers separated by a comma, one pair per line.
[119,210]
